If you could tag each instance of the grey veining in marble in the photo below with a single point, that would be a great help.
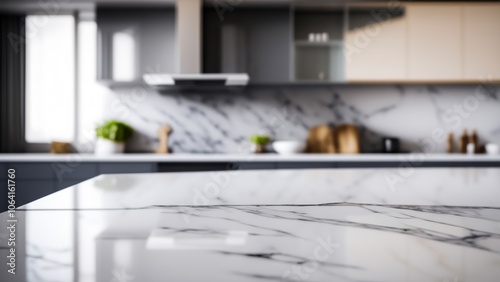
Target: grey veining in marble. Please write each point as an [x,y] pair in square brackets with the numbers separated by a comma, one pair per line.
[286,225]
[222,122]
[340,242]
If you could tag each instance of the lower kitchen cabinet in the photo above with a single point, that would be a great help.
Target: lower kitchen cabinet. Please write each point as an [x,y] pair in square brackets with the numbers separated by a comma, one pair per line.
[110,168]
[299,165]
[33,171]
[3,171]
[204,166]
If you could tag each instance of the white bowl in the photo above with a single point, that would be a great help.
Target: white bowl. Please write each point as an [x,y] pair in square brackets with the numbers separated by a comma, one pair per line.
[289,147]
[492,149]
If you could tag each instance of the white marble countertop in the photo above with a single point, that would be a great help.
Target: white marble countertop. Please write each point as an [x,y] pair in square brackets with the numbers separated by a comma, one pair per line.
[440,224]
[390,186]
[45,157]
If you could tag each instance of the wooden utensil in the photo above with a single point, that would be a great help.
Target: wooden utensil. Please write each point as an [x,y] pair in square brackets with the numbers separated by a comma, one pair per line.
[321,139]
[163,133]
[347,137]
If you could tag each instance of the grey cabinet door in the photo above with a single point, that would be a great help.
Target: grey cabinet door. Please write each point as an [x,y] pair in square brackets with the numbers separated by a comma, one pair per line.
[33,171]
[59,185]
[77,171]
[112,168]
[148,34]
[250,40]
[3,171]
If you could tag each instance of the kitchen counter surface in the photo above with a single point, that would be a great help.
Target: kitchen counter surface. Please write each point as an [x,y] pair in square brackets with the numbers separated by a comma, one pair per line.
[42,157]
[286,225]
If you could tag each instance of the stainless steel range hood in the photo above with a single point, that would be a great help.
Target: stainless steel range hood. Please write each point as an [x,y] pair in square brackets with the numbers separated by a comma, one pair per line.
[197,80]
[188,39]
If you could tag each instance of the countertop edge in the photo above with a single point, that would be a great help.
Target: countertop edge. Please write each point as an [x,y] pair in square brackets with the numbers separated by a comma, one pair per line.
[408,157]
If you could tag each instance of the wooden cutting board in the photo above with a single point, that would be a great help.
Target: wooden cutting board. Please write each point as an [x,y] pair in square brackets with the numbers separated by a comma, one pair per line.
[347,137]
[321,139]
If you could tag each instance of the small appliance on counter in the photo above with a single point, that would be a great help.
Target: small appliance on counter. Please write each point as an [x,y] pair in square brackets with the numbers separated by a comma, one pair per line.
[390,145]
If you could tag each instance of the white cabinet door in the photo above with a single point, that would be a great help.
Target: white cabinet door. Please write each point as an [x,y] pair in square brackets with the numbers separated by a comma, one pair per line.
[434,42]
[481,41]
[375,50]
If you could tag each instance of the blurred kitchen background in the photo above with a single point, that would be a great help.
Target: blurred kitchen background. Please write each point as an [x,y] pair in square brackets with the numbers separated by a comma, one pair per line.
[394,69]
[93,87]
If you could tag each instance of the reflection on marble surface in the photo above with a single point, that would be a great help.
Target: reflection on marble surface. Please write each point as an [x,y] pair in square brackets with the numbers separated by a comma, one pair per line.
[341,242]
[272,232]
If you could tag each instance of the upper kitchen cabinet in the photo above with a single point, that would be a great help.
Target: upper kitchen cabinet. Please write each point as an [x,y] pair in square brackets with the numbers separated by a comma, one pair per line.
[248,40]
[375,43]
[319,44]
[134,41]
[423,43]
[434,42]
[481,24]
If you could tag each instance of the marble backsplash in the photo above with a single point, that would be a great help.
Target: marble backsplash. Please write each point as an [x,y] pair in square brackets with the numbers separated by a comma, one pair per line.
[421,116]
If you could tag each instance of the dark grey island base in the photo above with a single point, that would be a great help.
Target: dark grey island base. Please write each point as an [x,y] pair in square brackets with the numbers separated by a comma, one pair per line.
[211,166]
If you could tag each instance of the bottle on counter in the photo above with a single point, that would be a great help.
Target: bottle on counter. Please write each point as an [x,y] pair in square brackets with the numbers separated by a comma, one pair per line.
[473,139]
[450,146]
[462,142]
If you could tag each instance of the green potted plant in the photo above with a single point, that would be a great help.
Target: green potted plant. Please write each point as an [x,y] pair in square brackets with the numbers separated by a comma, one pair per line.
[111,137]
[260,142]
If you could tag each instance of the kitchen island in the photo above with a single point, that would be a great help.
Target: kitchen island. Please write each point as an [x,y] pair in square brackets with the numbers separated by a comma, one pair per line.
[425,224]
[42,174]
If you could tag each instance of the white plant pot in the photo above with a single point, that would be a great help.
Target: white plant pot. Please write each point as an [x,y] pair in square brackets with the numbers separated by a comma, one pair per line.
[106,147]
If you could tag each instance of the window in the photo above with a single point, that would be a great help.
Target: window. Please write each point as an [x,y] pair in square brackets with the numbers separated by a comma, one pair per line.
[53,110]
[50,79]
